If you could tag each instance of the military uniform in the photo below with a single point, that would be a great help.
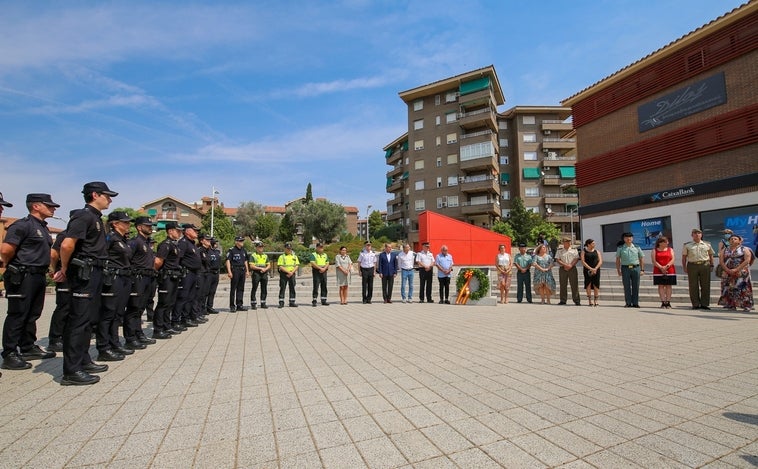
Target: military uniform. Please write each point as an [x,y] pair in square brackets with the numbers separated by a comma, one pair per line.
[259,266]
[169,274]
[288,264]
[697,261]
[142,262]
[236,266]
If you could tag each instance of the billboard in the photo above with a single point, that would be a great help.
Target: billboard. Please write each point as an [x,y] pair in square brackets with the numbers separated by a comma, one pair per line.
[645,232]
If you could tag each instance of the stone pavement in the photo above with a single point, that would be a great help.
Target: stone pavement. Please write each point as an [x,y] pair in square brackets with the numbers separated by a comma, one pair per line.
[421,385]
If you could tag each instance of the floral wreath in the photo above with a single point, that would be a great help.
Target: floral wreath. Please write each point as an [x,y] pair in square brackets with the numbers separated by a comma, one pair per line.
[479,285]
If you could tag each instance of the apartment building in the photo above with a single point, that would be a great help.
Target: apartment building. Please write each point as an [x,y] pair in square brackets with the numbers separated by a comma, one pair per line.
[463,159]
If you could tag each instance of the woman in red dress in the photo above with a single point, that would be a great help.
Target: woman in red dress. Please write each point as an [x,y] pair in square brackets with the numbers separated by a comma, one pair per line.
[664,272]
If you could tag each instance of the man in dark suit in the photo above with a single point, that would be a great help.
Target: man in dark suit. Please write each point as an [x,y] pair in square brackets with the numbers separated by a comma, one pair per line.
[387,270]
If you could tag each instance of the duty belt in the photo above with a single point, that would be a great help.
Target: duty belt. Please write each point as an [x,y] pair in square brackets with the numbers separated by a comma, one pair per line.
[37,269]
[122,272]
[93,261]
[214,271]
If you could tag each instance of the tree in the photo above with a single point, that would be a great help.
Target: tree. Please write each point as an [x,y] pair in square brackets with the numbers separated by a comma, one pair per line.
[222,225]
[375,222]
[321,219]
[309,194]
[286,227]
[266,225]
[393,232]
[522,221]
[247,213]
[504,229]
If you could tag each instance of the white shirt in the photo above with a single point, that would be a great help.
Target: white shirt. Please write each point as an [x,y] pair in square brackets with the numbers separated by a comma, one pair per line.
[367,259]
[406,260]
[426,259]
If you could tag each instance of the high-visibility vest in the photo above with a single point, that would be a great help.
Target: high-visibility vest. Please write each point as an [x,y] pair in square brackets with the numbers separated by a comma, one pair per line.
[288,261]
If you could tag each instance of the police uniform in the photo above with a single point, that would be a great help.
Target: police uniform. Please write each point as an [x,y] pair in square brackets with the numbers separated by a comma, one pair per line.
[318,262]
[288,264]
[189,260]
[236,266]
[62,301]
[153,288]
[143,270]
[117,286]
[211,280]
[198,305]
[259,262]
[168,286]
[25,281]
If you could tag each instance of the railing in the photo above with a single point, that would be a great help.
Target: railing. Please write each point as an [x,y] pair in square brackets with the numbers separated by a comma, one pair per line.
[476,134]
[477,178]
[473,204]
[558,140]
[559,196]
[487,110]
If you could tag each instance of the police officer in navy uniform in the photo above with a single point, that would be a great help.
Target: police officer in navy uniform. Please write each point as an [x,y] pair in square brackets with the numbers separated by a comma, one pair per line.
[237,270]
[62,299]
[26,254]
[189,259]
[169,273]
[260,266]
[83,254]
[203,246]
[153,288]
[143,262]
[117,286]
[211,282]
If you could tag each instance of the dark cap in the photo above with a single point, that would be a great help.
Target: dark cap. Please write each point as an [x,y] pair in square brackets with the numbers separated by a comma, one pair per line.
[521,245]
[143,221]
[319,245]
[627,235]
[425,244]
[118,215]
[188,226]
[239,238]
[172,225]
[213,240]
[99,187]
[258,244]
[43,198]
[288,245]
[696,230]
[202,236]
[367,242]
[3,202]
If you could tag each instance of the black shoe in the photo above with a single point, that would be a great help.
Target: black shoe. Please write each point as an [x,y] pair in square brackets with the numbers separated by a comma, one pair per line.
[14,362]
[241,308]
[93,367]
[173,331]
[263,306]
[293,305]
[447,302]
[55,345]
[368,302]
[421,301]
[314,303]
[577,303]
[79,378]
[232,309]
[705,308]
[145,340]
[212,311]
[695,307]
[109,356]
[201,320]
[161,335]
[635,306]
[253,307]
[281,305]
[133,345]
[178,327]
[324,303]
[123,350]
[188,323]
[561,302]
[37,353]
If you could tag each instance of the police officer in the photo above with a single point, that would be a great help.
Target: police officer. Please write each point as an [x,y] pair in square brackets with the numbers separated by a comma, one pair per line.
[169,273]
[153,288]
[288,264]
[319,266]
[117,286]
[211,280]
[198,307]
[26,253]
[62,298]
[237,259]
[260,266]
[189,259]
[143,262]
[83,254]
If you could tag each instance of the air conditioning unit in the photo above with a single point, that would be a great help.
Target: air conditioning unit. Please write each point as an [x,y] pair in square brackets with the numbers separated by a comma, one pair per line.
[547,132]
[461,178]
[547,167]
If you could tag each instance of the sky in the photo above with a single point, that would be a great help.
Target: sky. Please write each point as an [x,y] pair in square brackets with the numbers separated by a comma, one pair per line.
[259,98]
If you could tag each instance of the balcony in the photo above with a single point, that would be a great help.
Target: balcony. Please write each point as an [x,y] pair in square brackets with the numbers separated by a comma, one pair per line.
[551,180]
[477,98]
[478,118]
[395,216]
[480,137]
[557,125]
[396,156]
[395,186]
[561,199]
[396,171]
[559,143]
[479,184]
[489,207]
[398,199]
[550,160]
[486,163]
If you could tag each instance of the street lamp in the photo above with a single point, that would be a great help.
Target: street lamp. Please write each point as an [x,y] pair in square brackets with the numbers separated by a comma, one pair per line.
[214,193]
[571,221]
[367,214]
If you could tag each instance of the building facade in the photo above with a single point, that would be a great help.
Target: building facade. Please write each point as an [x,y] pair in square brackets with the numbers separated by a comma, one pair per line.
[465,160]
[670,142]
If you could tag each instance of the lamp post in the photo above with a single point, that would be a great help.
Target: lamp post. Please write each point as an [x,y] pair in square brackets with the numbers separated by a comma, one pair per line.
[571,221]
[214,192]
[367,215]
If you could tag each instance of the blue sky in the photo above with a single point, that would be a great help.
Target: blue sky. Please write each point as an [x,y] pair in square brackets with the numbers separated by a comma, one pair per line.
[259,98]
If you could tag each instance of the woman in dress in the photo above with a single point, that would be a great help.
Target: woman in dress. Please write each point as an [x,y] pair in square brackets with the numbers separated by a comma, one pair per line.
[591,262]
[544,282]
[736,285]
[344,266]
[664,272]
[503,264]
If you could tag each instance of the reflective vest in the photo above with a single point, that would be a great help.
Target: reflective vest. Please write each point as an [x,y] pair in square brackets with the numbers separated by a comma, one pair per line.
[288,261]
[259,260]
[320,259]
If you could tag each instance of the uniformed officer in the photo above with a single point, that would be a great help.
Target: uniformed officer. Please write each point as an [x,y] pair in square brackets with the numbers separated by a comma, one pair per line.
[214,267]
[62,299]
[189,259]
[117,286]
[697,261]
[319,266]
[143,263]
[198,307]
[83,255]
[3,203]
[288,264]
[169,273]
[236,268]
[259,266]
[26,254]
[153,288]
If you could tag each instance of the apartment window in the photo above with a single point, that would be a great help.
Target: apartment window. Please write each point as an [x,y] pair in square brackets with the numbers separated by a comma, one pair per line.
[441,202]
[505,195]
[418,124]
[451,96]
[439,161]
[530,156]
[528,120]
[418,105]
[438,141]
[534,210]
[503,160]
[419,185]
[418,145]
[407,191]
[452,138]
[530,138]
[439,181]
[420,205]
[505,213]
[452,159]
[419,164]
[451,117]
[452,201]
[502,125]
[452,180]
[531,191]
[437,120]
[503,143]
[477,150]
[436,100]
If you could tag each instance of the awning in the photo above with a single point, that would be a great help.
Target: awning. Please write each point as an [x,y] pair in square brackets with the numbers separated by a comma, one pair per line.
[389,181]
[152,212]
[388,153]
[474,85]
[405,176]
[405,145]
[567,172]
[505,178]
[531,173]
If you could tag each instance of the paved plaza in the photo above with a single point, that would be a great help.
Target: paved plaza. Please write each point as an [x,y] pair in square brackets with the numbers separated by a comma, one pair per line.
[397,385]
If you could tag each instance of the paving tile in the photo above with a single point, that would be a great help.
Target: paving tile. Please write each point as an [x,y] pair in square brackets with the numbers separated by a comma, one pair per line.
[329,434]
[341,457]
[415,446]
[542,449]
[381,453]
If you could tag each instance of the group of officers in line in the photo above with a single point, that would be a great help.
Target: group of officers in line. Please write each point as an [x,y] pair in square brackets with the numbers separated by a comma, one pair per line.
[104,281]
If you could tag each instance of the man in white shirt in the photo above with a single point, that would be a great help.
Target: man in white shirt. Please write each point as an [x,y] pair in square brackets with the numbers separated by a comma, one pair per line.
[367,261]
[425,262]
[406,262]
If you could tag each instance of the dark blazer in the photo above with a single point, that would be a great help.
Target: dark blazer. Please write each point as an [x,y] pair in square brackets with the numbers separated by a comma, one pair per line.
[387,267]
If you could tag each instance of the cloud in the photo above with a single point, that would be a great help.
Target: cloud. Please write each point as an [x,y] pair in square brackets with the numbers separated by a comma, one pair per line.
[335,86]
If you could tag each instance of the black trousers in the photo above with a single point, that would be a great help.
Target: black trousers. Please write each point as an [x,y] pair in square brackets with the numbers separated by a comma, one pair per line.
[25,302]
[425,278]
[444,288]
[198,304]
[319,281]
[185,298]
[367,283]
[237,287]
[388,281]
[524,281]
[150,300]
[167,291]
[60,313]
[141,288]
[284,282]
[259,280]
[85,305]
[112,308]
[211,284]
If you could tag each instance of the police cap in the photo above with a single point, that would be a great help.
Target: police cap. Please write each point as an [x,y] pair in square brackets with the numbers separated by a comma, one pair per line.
[118,215]
[239,238]
[42,198]
[143,221]
[288,245]
[3,202]
[99,187]
[188,226]
[172,225]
